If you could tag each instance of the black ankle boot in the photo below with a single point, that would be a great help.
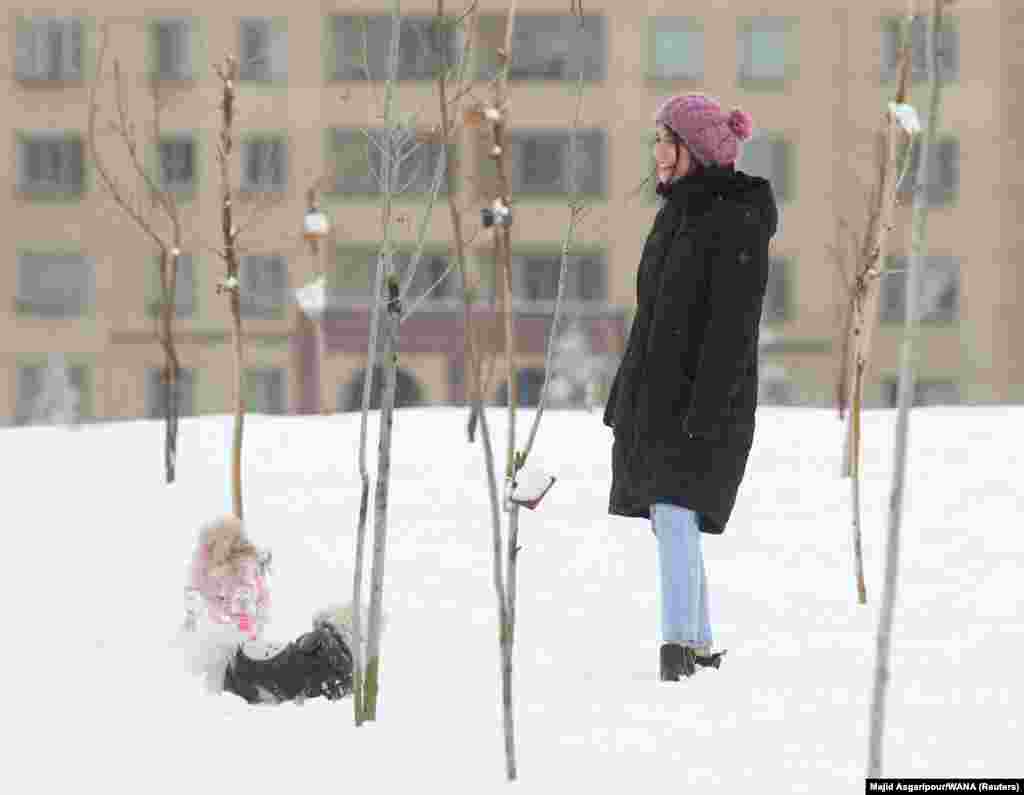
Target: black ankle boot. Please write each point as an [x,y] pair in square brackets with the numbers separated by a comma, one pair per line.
[711,660]
[676,661]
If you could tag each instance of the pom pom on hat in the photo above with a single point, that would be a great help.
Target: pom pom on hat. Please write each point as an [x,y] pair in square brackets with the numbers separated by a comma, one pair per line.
[741,123]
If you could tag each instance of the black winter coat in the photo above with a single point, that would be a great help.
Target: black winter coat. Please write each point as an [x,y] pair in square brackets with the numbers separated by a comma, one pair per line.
[683,400]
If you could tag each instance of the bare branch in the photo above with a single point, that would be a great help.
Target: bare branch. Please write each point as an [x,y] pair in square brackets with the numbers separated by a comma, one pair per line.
[127,131]
[112,186]
[574,214]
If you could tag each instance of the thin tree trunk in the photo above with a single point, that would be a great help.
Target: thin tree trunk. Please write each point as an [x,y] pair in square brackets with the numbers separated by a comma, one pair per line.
[168,286]
[362,703]
[473,377]
[858,553]
[229,76]
[866,288]
[503,238]
[236,446]
[906,398]
[160,198]
[380,500]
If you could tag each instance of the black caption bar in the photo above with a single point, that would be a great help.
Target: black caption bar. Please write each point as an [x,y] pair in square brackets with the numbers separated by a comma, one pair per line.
[926,785]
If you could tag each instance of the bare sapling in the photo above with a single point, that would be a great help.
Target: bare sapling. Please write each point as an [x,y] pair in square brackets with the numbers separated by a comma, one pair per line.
[499,217]
[912,311]
[396,145]
[152,205]
[864,292]
[228,74]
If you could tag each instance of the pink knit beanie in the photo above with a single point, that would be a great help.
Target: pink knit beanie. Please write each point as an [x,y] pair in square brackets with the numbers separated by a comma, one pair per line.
[711,134]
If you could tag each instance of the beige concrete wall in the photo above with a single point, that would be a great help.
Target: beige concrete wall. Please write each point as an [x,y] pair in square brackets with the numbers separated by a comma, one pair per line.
[829,111]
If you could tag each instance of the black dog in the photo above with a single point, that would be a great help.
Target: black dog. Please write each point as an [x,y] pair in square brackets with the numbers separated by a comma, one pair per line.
[318,663]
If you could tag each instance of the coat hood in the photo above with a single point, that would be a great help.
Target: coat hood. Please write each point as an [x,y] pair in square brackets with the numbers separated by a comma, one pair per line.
[733,185]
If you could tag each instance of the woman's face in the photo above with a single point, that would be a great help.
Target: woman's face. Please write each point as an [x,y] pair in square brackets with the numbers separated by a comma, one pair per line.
[670,160]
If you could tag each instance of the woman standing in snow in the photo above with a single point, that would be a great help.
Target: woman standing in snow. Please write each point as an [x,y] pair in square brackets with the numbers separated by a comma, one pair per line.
[683,400]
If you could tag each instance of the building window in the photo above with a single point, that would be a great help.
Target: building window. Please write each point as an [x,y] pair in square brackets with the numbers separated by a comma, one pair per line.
[361,42]
[775,388]
[264,390]
[178,162]
[540,165]
[51,165]
[545,46]
[944,173]
[770,157]
[927,392]
[940,290]
[677,48]
[949,49]
[49,49]
[481,275]
[52,393]
[529,383]
[351,279]
[264,281]
[357,162]
[264,163]
[777,297]
[408,391]
[263,44]
[54,285]
[172,49]
[536,277]
[351,152]
[184,287]
[156,393]
[765,49]
[430,271]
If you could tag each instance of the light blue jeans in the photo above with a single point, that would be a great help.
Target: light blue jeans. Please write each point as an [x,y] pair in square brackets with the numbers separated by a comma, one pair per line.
[684,587]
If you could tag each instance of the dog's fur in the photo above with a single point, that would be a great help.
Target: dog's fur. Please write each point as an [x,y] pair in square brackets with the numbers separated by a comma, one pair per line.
[342,618]
[227,546]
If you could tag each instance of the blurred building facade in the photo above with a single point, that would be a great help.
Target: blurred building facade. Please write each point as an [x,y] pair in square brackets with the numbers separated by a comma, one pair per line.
[80,277]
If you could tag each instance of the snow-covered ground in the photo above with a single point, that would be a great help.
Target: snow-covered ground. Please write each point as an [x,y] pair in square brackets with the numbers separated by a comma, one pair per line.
[96,548]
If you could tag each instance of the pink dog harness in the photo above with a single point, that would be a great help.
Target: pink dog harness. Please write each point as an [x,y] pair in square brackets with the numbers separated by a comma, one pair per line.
[242,599]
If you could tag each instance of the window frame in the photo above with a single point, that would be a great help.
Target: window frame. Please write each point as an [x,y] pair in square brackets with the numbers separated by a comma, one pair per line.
[81,374]
[262,138]
[186,70]
[276,30]
[153,387]
[893,298]
[30,26]
[747,26]
[184,306]
[889,30]
[182,190]
[687,25]
[378,71]
[518,138]
[784,192]
[937,194]
[251,308]
[447,294]
[485,69]
[27,306]
[56,192]
[251,374]
[552,252]
[336,296]
[363,191]
[780,273]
